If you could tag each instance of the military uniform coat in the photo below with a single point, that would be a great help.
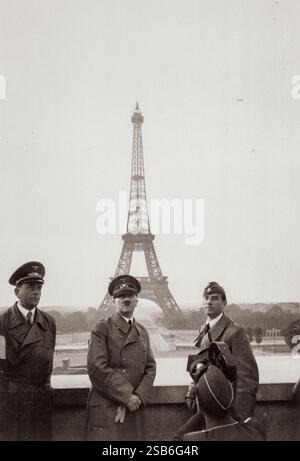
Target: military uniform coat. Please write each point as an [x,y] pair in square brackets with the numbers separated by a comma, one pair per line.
[120,363]
[25,390]
[249,430]
[225,330]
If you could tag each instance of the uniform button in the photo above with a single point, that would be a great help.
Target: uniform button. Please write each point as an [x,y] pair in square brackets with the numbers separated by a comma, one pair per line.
[124,358]
[124,371]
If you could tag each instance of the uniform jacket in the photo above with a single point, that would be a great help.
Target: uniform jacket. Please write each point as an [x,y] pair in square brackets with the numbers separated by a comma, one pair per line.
[225,330]
[239,431]
[120,363]
[26,394]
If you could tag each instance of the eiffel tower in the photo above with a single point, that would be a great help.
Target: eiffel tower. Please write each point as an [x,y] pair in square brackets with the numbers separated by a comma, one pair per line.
[139,237]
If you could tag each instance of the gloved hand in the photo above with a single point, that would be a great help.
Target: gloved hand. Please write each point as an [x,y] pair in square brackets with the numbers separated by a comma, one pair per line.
[200,369]
[191,398]
[134,403]
[120,415]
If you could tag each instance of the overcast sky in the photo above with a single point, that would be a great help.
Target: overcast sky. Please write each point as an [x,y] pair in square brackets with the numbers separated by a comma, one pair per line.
[213,79]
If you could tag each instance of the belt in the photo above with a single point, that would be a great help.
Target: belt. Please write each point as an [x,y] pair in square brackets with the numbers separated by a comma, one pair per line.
[29,380]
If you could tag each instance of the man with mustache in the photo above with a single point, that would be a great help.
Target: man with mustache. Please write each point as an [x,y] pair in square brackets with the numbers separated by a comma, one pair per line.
[27,339]
[121,368]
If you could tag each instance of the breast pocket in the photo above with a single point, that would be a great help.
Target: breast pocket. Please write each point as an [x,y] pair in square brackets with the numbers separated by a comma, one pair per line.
[47,341]
[137,351]
[40,356]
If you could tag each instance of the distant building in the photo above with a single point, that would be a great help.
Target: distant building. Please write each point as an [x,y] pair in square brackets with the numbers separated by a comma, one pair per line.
[273,333]
[293,307]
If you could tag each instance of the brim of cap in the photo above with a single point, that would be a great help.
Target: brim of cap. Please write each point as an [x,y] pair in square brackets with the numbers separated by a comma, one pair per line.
[214,291]
[30,280]
[125,291]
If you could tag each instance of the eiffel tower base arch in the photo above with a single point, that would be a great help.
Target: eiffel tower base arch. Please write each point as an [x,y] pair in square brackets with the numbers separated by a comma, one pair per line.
[154,287]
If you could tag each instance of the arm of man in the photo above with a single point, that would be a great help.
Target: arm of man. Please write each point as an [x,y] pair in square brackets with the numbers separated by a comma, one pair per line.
[54,334]
[52,330]
[247,373]
[108,381]
[143,390]
[190,398]
[2,343]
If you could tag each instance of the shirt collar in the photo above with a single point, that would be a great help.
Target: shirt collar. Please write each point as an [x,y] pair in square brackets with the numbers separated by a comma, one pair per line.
[24,311]
[127,319]
[213,321]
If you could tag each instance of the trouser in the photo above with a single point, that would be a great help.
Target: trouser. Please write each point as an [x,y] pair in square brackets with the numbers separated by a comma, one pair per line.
[100,425]
[25,411]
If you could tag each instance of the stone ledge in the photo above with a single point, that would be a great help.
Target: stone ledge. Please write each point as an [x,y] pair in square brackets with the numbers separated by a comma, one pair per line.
[71,397]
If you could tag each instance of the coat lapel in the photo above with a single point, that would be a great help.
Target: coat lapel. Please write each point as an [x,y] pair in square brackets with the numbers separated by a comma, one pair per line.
[132,335]
[203,340]
[199,338]
[120,323]
[218,329]
[16,324]
[214,334]
[35,333]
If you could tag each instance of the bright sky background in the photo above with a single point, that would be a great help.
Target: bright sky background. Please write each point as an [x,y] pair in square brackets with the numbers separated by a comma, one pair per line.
[213,79]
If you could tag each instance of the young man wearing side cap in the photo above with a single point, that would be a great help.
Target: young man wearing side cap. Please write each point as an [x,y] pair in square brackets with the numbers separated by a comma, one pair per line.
[27,341]
[121,368]
[219,327]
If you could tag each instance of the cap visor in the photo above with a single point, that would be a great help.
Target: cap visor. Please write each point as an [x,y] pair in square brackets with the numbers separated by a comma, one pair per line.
[125,292]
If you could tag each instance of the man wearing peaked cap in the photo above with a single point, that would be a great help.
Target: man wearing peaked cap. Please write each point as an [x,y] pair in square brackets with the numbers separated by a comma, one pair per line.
[28,335]
[124,284]
[121,368]
[28,272]
[219,327]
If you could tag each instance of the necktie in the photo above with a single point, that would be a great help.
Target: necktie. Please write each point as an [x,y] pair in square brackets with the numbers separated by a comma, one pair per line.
[130,324]
[206,329]
[199,339]
[29,318]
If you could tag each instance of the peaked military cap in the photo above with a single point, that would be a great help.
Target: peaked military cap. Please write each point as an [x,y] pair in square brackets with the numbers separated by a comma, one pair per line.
[214,288]
[32,271]
[124,284]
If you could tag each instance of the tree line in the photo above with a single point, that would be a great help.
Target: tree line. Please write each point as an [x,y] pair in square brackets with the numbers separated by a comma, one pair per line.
[73,322]
[256,323]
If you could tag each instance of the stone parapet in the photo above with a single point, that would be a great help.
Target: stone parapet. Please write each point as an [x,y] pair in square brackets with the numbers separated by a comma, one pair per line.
[167,405]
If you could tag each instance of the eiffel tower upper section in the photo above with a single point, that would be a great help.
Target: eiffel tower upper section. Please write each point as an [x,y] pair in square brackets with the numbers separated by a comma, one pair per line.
[138,219]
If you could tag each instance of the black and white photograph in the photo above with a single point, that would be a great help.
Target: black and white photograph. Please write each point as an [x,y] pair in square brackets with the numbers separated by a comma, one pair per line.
[150,223]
